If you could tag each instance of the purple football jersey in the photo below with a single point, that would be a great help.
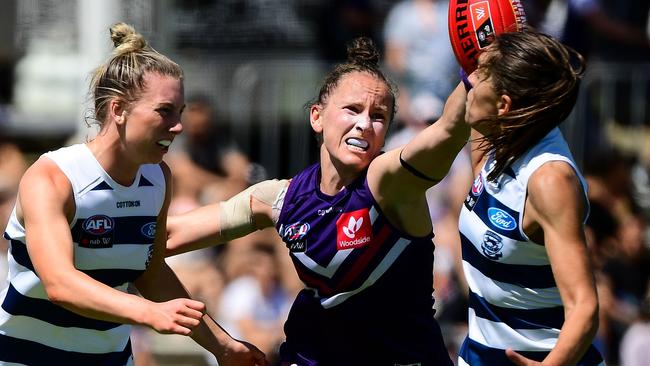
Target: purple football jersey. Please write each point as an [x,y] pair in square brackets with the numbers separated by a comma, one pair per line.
[368,296]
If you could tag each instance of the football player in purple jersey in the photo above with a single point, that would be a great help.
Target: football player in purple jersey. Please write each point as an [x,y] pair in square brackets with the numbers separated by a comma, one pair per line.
[356,224]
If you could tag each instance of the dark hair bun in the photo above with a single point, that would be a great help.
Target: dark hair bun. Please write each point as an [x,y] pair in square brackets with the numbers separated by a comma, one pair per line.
[362,51]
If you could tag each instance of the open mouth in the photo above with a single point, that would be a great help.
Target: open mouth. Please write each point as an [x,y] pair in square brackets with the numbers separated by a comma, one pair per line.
[164,143]
[357,144]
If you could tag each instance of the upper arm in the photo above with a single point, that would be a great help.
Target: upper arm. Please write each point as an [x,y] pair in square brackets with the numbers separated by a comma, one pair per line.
[556,202]
[45,206]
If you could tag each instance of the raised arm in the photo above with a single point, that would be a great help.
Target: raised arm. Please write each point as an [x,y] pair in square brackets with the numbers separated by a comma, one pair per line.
[404,174]
[556,202]
[160,284]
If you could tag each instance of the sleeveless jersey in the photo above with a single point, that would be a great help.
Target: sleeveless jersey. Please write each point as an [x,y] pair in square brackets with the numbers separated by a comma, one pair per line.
[513,299]
[113,232]
[368,296]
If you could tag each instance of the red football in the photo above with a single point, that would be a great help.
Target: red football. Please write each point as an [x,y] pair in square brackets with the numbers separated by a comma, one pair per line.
[473,24]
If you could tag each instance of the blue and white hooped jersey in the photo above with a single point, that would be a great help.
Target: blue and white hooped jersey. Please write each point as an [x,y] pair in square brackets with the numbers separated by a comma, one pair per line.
[368,297]
[513,299]
[113,232]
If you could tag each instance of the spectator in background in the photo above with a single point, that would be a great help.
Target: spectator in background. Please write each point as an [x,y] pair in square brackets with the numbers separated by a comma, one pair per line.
[206,164]
[254,304]
[12,166]
[635,346]
[341,21]
[628,276]
[418,53]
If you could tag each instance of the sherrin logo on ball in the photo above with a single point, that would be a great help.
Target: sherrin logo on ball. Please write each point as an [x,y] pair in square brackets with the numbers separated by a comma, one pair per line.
[473,24]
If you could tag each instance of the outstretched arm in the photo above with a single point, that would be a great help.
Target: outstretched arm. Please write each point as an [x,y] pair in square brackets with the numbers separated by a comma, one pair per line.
[556,201]
[217,223]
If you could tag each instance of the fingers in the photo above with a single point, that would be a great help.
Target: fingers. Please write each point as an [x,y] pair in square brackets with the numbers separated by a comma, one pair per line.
[178,316]
[516,358]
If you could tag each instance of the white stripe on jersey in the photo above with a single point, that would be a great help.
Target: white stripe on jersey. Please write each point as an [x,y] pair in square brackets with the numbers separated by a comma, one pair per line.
[501,293]
[383,266]
[499,335]
[132,257]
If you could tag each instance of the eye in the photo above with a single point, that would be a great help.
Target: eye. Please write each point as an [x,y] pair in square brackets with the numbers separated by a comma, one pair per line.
[164,111]
[380,117]
[352,108]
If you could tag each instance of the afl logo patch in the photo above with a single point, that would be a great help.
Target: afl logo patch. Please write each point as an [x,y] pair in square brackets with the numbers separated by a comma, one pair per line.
[149,230]
[98,225]
[295,236]
[477,186]
[501,219]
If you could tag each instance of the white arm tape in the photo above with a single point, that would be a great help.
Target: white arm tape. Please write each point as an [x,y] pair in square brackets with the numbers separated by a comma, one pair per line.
[236,214]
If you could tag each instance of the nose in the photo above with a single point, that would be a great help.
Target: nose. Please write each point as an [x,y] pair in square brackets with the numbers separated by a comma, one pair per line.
[176,127]
[362,122]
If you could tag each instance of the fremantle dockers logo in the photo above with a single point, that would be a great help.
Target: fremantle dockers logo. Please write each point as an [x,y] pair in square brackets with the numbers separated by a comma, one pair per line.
[492,245]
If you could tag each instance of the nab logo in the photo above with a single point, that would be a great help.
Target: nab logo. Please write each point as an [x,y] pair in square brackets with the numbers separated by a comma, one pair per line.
[98,225]
[353,229]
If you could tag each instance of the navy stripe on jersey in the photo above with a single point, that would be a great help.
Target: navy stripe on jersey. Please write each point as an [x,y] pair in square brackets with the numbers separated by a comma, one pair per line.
[111,276]
[476,354]
[486,201]
[517,318]
[144,182]
[516,274]
[103,186]
[127,230]
[16,303]
[33,353]
[19,252]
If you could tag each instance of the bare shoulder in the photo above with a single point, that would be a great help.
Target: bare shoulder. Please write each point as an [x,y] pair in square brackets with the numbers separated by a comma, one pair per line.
[43,183]
[554,186]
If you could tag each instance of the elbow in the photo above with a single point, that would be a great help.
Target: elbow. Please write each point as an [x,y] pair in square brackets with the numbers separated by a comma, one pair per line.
[58,294]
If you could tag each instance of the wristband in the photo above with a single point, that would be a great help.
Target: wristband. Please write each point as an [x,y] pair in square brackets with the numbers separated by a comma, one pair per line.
[464,79]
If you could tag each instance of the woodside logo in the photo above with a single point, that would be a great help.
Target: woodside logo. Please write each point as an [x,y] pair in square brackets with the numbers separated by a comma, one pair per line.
[353,229]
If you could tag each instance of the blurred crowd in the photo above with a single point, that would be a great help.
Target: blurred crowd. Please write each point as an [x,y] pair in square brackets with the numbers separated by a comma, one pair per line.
[248,284]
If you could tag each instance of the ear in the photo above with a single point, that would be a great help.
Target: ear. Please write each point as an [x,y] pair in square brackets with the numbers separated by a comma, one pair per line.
[504,104]
[316,118]
[117,110]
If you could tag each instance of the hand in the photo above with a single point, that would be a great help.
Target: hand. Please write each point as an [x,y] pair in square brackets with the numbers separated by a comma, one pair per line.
[178,316]
[240,353]
[520,360]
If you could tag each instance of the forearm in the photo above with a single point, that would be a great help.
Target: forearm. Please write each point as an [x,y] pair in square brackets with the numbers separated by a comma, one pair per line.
[197,229]
[576,335]
[208,334]
[106,303]
[440,142]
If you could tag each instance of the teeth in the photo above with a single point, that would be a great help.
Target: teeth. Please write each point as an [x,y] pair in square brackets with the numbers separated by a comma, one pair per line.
[362,144]
[165,143]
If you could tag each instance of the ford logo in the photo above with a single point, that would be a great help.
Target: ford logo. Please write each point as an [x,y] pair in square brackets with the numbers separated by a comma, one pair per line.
[149,230]
[501,219]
